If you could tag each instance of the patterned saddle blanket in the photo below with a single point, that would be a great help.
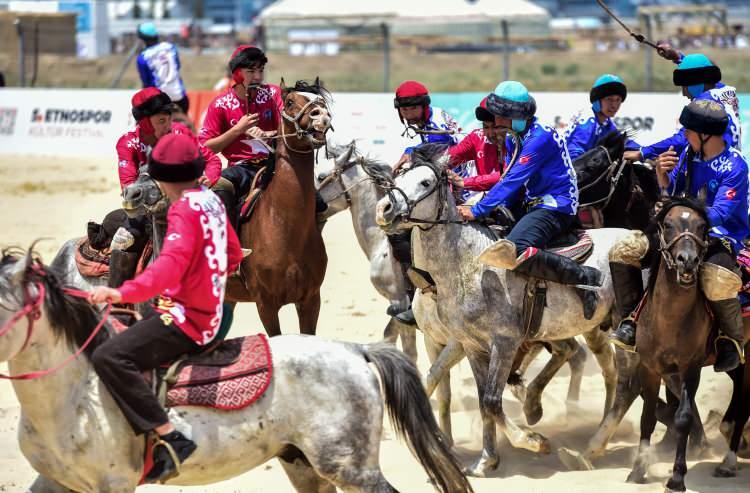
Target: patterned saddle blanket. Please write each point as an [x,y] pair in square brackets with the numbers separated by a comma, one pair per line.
[230,376]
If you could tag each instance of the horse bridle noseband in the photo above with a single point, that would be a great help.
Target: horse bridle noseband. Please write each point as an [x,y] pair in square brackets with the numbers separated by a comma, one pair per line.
[613,173]
[666,247]
[337,176]
[300,132]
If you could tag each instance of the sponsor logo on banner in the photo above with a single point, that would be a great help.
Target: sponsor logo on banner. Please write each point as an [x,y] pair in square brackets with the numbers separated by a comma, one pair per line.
[74,123]
[7,120]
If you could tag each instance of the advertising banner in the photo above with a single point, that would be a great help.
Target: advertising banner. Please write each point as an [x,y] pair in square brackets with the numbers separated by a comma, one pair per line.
[70,122]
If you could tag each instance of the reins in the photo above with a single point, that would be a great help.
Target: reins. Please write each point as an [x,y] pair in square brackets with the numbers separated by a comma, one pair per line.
[32,310]
[613,171]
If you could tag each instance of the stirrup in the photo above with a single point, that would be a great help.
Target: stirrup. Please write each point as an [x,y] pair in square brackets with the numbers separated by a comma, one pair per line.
[740,349]
[617,342]
[172,454]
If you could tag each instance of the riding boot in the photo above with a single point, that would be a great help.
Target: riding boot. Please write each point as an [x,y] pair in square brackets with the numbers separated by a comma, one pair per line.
[556,268]
[321,209]
[122,266]
[627,282]
[229,199]
[407,316]
[729,344]
[165,466]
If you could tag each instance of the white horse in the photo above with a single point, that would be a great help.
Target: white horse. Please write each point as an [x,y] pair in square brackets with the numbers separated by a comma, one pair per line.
[349,181]
[321,415]
[481,306]
[343,184]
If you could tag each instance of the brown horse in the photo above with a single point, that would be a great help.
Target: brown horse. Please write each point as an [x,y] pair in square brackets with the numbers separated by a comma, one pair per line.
[674,325]
[288,259]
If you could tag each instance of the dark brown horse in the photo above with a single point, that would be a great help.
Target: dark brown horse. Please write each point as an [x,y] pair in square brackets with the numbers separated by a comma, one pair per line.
[736,415]
[288,259]
[674,326]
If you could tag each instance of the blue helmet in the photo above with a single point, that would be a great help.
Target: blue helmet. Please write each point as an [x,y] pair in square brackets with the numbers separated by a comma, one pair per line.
[606,85]
[694,72]
[147,30]
[511,99]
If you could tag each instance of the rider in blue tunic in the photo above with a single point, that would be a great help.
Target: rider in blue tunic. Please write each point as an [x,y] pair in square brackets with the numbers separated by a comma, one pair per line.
[700,79]
[708,165]
[543,179]
[606,96]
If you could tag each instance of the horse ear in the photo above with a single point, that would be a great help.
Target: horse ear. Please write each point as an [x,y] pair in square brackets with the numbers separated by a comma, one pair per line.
[282,85]
[317,81]
[702,193]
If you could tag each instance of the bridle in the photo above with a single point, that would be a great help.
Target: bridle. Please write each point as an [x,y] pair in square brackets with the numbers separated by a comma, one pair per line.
[32,310]
[337,176]
[299,132]
[665,247]
[613,173]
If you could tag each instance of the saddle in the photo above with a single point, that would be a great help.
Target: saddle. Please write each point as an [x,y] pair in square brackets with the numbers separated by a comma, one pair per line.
[260,183]
[575,244]
[95,263]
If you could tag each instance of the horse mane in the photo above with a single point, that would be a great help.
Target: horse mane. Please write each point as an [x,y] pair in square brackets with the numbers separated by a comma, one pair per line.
[431,154]
[658,219]
[70,317]
[315,87]
[369,162]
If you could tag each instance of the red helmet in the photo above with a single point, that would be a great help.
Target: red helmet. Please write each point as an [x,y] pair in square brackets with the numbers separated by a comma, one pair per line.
[149,102]
[245,56]
[412,93]
[482,113]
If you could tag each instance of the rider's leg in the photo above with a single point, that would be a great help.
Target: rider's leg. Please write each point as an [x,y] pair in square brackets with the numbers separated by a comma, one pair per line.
[119,362]
[125,250]
[530,235]
[720,283]
[224,189]
[401,247]
[625,260]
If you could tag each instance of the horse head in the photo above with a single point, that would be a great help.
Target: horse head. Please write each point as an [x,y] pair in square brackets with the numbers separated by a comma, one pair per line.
[418,195]
[144,196]
[330,176]
[305,116]
[595,168]
[682,230]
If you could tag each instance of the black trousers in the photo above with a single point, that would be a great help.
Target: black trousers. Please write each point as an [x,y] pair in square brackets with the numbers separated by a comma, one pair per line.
[120,360]
[537,228]
[241,176]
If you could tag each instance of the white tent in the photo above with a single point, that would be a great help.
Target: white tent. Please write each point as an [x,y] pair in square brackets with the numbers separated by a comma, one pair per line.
[457,11]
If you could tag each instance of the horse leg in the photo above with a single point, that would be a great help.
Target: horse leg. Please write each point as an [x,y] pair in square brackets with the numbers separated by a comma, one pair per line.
[698,441]
[451,354]
[577,362]
[303,477]
[532,406]
[489,458]
[45,485]
[728,421]
[502,350]
[683,420]
[740,408]
[523,359]
[628,388]
[390,334]
[598,342]
[443,389]
[269,317]
[408,336]
[650,382]
[308,311]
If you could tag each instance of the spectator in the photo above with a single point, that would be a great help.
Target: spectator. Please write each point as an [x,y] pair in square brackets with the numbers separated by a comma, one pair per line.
[159,66]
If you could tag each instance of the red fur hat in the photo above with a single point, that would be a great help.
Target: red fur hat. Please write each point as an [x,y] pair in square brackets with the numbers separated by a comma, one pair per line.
[176,158]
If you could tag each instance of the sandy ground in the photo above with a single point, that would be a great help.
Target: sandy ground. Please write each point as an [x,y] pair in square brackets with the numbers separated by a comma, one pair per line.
[54,199]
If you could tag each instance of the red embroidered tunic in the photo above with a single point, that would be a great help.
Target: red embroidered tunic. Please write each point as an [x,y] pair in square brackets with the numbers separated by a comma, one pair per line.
[132,154]
[226,110]
[476,147]
[190,273]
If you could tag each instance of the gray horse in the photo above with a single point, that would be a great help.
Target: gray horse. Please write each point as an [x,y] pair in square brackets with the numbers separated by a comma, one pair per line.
[349,181]
[481,306]
[324,423]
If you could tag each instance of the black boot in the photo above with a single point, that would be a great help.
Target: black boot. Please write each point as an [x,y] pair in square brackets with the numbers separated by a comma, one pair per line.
[230,204]
[556,268]
[164,464]
[627,282]
[729,346]
[407,316]
[122,266]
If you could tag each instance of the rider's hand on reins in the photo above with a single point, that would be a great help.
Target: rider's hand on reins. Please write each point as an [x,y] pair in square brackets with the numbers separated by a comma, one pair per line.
[666,161]
[465,212]
[400,163]
[632,156]
[455,180]
[104,294]
[246,123]
[258,133]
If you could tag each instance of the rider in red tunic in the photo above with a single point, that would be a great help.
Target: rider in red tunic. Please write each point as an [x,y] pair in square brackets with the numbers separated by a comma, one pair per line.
[151,109]
[189,277]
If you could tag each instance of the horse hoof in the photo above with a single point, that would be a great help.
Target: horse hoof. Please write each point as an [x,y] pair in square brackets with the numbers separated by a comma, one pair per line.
[673,486]
[481,468]
[725,472]
[574,460]
[636,478]
[533,412]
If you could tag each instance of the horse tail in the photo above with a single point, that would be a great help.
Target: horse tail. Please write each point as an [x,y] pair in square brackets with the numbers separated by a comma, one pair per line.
[411,415]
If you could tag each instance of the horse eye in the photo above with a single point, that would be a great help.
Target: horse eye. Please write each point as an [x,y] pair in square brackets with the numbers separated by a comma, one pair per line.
[425,183]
